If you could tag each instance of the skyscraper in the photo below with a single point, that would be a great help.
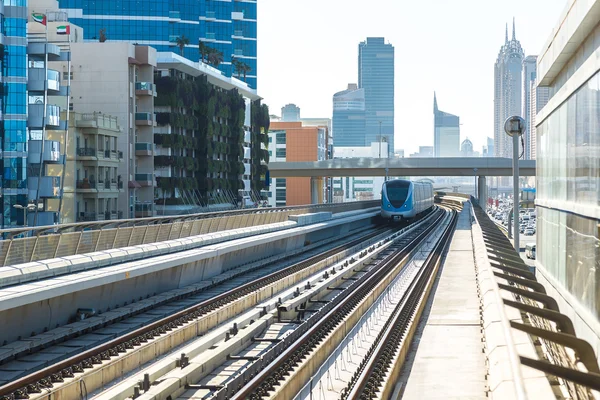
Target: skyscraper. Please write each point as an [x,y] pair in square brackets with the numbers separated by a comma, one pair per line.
[227,26]
[507,90]
[290,113]
[13,135]
[539,98]
[376,77]
[446,132]
[466,148]
[349,117]
[529,72]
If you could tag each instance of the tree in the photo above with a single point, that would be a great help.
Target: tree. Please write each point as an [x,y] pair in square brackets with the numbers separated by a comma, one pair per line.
[215,57]
[204,50]
[244,69]
[102,35]
[236,65]
[181,42]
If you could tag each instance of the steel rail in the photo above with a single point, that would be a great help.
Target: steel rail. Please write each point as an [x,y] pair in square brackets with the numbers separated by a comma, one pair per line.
[373,369]
[55,373]
[328,317]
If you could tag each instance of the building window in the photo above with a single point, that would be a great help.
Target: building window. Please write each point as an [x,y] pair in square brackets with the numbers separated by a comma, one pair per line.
[280,153]
[280,138]
[280,194]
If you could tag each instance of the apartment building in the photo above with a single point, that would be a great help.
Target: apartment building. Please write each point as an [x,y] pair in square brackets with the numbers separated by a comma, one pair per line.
[92,185]
[291,141]
[203,156]
[117,79]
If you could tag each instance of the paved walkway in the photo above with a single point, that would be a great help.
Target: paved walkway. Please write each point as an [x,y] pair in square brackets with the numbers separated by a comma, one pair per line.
[446,360]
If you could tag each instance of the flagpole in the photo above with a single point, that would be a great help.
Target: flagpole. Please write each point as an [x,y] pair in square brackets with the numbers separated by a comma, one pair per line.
[62,179]
[44,118]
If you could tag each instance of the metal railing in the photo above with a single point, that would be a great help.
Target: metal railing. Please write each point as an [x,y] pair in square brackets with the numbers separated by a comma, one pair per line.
[564,356]
[21,245]
[86,184]
[86,152]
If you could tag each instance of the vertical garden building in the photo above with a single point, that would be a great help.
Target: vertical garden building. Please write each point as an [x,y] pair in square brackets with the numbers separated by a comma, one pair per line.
[210,136]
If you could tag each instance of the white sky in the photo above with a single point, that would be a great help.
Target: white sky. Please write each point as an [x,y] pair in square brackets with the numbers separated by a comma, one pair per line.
[308,50]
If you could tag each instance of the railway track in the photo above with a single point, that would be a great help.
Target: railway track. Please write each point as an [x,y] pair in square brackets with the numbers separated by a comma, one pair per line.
[67,370]
[269,376]
[378,371]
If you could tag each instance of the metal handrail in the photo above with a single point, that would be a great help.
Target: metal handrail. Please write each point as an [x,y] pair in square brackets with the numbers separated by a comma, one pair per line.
[554,329]
[513,356]
[27,244]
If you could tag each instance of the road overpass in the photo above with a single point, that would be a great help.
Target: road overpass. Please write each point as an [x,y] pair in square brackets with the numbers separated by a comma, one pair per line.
[451,166]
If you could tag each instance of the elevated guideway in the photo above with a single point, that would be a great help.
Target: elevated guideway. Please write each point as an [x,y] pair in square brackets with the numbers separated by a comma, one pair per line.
[50,292]
[413,167]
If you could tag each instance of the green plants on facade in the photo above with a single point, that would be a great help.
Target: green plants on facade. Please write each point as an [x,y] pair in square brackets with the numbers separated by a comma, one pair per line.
[260,128]
[208,121]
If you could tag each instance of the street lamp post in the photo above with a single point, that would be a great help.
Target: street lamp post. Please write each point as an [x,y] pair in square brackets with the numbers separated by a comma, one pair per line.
[514,127]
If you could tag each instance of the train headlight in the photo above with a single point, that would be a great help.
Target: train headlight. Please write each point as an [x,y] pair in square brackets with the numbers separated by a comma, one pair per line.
[389,205]
[405,206]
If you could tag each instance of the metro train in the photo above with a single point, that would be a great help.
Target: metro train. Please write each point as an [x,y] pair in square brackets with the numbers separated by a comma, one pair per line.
[403,199]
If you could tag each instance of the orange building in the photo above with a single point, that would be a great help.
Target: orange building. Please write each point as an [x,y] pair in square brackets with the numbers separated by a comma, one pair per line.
[290,141]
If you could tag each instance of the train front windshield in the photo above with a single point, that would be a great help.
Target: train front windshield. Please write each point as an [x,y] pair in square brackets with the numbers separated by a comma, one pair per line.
[397,192]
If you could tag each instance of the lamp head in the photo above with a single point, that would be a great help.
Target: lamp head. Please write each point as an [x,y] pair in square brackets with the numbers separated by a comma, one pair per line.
[514,126]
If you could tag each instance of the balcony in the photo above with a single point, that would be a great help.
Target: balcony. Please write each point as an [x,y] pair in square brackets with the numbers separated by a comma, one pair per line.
[144,149]
[112,215]
[37,83]
[97,120]
[145,180]
[145,89]
[144,210]
[87,216]
[84,153]
[108,184]
[49,187]
[86,185]
[35,117]
[113,155]
[51,152]
[145,119]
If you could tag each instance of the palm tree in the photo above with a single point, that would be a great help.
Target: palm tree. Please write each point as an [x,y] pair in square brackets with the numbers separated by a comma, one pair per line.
[215,57]
[244,68]
[203,49]
[236,65]
[181,41]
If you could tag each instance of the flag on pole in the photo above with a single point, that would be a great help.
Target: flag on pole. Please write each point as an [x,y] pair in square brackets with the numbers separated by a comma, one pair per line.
[41,18]
[63,30]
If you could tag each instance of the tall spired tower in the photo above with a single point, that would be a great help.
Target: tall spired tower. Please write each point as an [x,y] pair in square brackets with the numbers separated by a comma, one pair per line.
[507,90]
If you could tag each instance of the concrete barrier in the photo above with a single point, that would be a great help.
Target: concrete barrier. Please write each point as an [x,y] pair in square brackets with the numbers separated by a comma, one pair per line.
[35,307]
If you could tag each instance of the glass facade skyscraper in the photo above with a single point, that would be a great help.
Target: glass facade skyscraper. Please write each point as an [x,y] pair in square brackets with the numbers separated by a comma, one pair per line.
[446,133]
[376,78]
[13,119]
[507,91]
[228,26]
[568,168]
[349,118]
[529,71]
